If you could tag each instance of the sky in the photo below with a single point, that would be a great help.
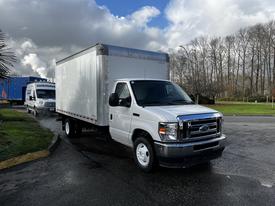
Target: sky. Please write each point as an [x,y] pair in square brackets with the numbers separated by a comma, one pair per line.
[43,31]
[131,6]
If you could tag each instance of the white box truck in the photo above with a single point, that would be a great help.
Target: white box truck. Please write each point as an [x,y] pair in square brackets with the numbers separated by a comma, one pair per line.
[128,92]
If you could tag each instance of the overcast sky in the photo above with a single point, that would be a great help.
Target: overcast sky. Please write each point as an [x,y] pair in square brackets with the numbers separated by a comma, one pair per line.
[41,31]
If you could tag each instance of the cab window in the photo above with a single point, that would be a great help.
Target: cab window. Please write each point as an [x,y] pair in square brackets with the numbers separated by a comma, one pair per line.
[123,92]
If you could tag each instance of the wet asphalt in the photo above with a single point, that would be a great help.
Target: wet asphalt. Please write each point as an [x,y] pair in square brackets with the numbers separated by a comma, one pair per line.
[91,171]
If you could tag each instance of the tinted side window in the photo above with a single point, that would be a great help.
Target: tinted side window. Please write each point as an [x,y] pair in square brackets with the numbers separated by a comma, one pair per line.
[122,91]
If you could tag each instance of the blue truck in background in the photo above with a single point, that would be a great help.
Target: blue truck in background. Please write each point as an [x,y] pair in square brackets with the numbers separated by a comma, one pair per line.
[13,88]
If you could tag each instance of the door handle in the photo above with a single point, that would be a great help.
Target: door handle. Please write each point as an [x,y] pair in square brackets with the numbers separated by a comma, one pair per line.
[136,114]
[111,116]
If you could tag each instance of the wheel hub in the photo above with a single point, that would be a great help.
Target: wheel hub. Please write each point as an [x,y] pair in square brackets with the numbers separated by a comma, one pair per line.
[143,155]
[67,128]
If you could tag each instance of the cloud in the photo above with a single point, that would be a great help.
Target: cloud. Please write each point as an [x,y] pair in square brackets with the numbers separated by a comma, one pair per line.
[41,31]
[73,22]
[27,45]
[34,60]
[36,64]
[142,16]
[192,18]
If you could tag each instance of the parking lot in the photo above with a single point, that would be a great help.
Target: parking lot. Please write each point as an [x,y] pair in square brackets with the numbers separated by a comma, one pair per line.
[91,171]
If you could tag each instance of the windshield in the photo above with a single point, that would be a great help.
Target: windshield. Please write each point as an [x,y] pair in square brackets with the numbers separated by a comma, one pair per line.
[159,93]
[45,94]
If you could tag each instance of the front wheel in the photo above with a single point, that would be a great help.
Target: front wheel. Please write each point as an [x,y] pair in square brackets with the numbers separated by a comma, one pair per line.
[28,110]
[144,154]
[35,112]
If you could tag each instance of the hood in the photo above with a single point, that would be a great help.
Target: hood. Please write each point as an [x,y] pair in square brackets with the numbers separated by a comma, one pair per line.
[170,113]
[41,101]
[46,100]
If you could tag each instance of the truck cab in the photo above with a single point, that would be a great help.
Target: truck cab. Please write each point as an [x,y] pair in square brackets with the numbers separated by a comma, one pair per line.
[163,125]
[40,97]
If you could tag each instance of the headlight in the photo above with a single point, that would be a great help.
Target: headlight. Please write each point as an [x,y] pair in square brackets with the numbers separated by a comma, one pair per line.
[40,102]
[168,131]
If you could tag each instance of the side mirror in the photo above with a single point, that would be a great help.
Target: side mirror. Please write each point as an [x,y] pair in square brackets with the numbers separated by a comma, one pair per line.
[113,100]
[30,98]
[125,102]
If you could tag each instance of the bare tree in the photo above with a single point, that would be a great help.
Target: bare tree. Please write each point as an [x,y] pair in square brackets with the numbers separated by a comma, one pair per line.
[238,66]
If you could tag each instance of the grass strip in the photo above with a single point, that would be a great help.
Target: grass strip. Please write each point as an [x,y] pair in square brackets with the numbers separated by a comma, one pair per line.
[244,109]
[21,134]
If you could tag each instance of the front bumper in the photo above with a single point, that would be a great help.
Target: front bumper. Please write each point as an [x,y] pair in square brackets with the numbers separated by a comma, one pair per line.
[191,153]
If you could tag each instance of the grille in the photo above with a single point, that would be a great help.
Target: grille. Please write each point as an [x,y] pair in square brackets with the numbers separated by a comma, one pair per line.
[49,104]
[203,128]
[200,126]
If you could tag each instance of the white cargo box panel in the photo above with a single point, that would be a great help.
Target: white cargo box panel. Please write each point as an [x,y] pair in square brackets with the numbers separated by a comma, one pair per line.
[76,88]
[85,80]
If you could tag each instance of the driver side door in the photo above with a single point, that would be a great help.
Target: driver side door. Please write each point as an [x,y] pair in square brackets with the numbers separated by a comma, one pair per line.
[32,98]
[120,116]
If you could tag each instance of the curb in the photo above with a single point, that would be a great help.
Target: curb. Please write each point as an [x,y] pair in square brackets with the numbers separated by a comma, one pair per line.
[55,142]
[31,156]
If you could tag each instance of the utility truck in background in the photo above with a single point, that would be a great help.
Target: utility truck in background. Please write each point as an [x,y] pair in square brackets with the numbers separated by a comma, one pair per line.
[13,89]
[128,93]
[40,97]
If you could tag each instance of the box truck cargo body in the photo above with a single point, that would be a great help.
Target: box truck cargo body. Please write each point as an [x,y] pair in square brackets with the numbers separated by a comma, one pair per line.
[85,80]
[128,92]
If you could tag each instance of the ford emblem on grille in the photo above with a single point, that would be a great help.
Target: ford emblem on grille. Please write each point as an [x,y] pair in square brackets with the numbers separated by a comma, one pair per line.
[203,128]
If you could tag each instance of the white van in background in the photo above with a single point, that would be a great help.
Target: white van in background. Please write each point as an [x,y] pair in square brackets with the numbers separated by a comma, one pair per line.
[40,97]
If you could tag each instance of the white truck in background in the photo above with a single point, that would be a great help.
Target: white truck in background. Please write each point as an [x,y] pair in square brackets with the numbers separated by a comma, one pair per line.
[40,97]
[128,92]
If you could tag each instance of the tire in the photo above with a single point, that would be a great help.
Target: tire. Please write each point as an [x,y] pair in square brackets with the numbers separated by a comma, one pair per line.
[28,110]
[35,113]
[144,155]
[69,128]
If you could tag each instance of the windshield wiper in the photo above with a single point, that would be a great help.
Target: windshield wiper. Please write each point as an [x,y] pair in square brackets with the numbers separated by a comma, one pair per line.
[182,101]
[173,102]
[152,103]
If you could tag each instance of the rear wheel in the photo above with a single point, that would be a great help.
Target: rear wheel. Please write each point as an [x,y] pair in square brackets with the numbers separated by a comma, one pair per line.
[69,128]
[144,154]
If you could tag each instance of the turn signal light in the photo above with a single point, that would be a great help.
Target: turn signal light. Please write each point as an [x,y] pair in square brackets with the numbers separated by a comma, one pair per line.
[162,130]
